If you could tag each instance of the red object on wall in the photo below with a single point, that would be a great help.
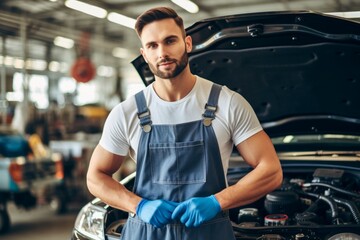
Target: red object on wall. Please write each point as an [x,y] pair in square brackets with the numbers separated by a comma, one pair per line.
[83,70]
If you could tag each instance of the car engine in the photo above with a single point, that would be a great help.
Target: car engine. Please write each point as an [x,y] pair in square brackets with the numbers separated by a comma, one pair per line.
[322,204]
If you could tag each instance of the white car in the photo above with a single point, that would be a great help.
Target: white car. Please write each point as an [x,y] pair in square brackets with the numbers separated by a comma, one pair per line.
[300,72]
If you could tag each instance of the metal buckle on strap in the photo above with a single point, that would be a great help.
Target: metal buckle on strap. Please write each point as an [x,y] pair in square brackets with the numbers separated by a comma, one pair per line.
[209,114]
[210,108]
[146,128]
[143,114]
[145,121]
[207,121]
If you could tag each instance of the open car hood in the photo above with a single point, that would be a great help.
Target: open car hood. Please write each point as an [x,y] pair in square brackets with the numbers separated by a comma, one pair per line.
[298,70]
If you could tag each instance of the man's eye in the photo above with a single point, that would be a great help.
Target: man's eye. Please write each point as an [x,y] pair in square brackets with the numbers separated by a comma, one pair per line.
[169,41]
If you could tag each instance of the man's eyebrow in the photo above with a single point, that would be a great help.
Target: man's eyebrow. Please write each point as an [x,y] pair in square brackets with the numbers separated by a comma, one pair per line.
[166,38]
[150,43]
[171,36]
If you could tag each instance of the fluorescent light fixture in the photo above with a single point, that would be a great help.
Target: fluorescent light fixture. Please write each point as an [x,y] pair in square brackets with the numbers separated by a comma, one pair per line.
[353,14]
[187,5]
[86,8]
[121,19]
[120,52]
[8,61]
[14,96]
[54,66]
[105,71]
[64,42]
[18,63]
[36,64]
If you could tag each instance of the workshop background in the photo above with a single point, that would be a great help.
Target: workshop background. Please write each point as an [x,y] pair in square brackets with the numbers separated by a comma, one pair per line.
[64,64]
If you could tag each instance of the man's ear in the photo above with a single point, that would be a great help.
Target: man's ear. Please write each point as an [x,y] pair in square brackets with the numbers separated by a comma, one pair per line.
[143,54]
[188,44]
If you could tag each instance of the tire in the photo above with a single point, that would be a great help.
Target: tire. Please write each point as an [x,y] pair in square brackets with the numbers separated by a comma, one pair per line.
[58,204]
[4,221]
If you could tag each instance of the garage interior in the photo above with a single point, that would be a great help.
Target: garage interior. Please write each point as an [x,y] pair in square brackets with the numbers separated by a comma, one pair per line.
[63,70]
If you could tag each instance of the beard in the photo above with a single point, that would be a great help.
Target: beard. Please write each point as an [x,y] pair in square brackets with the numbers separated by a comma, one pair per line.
[180,66]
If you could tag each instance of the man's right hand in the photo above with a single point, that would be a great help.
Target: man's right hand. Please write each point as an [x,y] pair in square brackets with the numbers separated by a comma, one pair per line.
[156,212]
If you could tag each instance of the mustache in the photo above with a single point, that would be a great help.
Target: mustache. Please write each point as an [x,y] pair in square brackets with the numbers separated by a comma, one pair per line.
[166,60]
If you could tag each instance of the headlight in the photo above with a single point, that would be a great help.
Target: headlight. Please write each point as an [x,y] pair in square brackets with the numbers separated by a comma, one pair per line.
[345,236]
[90,222]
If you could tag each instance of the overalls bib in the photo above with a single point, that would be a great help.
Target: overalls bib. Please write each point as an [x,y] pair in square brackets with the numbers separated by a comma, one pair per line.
[175,163]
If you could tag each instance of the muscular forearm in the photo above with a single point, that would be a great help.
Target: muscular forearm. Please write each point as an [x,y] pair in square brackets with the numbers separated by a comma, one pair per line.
[112,192]
[251,187]
[103,164]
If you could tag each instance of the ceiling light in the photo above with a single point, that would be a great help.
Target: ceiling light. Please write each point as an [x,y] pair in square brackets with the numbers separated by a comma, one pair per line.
[18,63]
[120,52]
[64,42]
[105,71]
[86,8]
[121,19]
[54,66]
[354,14]
[187,5]
[36,64]
[8,61]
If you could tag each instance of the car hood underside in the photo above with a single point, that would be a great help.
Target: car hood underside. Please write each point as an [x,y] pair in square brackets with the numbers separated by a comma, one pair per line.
[298,70]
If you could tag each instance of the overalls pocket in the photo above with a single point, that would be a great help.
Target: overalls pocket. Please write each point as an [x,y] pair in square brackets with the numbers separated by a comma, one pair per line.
[178,163]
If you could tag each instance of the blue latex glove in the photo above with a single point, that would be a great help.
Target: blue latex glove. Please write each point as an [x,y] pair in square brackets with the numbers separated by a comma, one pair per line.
[195,211]
[156,212]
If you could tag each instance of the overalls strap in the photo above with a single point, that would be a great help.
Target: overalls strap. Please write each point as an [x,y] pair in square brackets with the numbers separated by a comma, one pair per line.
[211,105]
[143,112]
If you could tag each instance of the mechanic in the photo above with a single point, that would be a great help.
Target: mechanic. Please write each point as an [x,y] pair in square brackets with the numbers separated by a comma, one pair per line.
[180,131]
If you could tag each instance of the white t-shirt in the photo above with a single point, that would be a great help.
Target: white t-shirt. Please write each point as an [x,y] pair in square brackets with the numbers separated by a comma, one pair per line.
[235,119]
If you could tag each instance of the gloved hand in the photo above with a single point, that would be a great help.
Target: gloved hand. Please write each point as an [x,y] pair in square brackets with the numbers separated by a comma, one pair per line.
[156,212]
[195,211]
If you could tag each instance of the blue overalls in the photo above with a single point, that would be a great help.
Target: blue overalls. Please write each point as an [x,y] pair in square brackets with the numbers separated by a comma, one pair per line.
[175,163]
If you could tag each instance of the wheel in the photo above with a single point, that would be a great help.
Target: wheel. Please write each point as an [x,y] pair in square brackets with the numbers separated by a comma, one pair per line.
[4,220]
[58,204]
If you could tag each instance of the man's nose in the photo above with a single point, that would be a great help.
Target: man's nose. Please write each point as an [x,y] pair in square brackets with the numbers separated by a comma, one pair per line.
[162,52]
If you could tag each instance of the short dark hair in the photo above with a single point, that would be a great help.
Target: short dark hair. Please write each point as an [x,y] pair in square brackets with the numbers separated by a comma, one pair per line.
[155,14]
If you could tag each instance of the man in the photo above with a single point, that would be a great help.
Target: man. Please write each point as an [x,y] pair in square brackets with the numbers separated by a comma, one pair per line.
[181,148]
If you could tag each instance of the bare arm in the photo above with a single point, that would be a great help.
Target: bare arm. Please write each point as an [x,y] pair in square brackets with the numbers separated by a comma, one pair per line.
[258,151]
[103,165]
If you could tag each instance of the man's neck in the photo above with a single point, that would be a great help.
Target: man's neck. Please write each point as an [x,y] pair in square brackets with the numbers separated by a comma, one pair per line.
[174,89]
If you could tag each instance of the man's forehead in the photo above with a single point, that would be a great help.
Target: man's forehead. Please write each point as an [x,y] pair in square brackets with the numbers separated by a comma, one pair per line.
[160,30]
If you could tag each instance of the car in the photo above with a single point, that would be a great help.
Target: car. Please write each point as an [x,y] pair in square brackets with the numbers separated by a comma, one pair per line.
[300,72]
[28,173]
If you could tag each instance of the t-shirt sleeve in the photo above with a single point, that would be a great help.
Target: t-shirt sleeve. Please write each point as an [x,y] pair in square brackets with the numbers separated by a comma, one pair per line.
[113,137]
[243,119]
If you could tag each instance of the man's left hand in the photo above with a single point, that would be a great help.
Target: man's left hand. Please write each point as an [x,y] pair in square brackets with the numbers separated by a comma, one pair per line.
[195,211]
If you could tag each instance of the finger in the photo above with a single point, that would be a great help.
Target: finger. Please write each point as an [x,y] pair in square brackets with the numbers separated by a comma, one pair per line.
[163,218]
[185,217]
[190,222]
[179,210]
[156,223]
[197,223]
[170,206]
[173,204]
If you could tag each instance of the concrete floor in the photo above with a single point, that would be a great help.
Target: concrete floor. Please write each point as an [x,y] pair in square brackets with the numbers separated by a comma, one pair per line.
[40,223]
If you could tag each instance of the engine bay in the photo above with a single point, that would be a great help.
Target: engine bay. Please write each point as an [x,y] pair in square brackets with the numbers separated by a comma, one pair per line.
[321,204]
[314,202]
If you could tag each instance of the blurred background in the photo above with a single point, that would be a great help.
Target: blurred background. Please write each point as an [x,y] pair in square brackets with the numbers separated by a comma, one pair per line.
[64,64]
